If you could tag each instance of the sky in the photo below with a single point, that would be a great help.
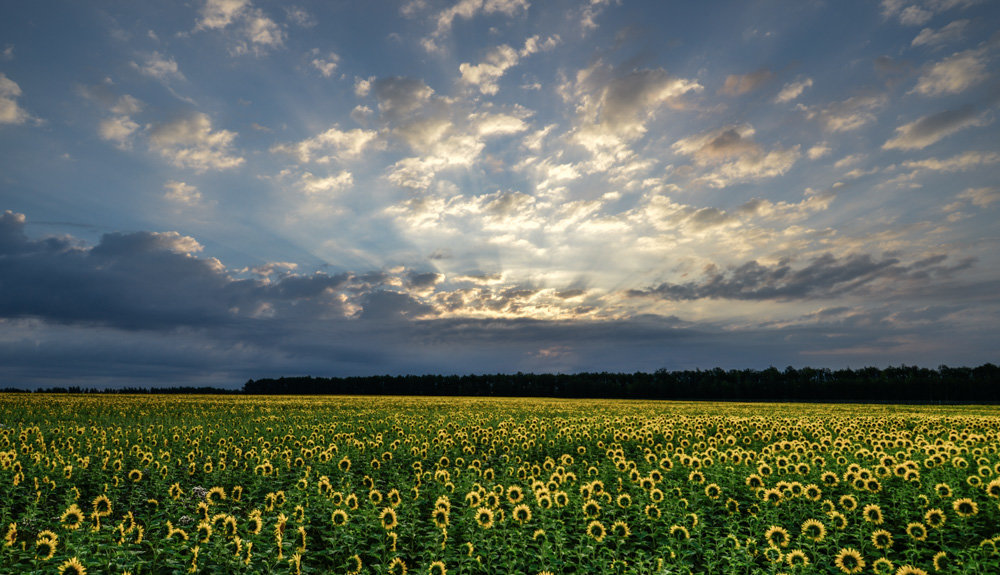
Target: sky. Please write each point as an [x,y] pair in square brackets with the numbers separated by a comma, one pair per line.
[204,192]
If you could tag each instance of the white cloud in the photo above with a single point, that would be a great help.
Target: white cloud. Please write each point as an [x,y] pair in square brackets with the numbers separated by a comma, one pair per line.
[959,163]
[734,156]
[221,13]
[118,129]
[466,10]
[981,197]
[313,185]
[954,74]
[918,12]
[181,193]
[10,111]
[159,66]
[929,129]
[613,110]
[953,32]
[333,144]
[326,66]
[818,151]
[191,143]
[256,32]
[487,73]
[793,90]
[8,53]
[363,86]
[846,115]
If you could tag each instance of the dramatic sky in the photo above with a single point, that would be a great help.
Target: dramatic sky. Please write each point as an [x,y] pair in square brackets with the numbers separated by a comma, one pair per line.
[202,192]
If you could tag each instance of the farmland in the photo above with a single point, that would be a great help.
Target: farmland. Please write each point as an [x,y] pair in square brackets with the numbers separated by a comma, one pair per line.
[237,484]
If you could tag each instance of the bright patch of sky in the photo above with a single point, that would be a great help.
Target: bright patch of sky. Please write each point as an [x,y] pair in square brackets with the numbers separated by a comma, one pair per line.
[242,188]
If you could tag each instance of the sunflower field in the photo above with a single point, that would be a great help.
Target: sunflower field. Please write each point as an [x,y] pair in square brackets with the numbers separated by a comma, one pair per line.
[235,484]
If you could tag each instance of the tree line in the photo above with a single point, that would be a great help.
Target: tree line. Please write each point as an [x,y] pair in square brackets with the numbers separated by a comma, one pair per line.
[903,384]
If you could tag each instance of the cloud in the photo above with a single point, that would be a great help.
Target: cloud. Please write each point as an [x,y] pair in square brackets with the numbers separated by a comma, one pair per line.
[982,197]
[314,185]
[332,145]
[818,151]
[793,90]
[486,74]
[160,67]
[181,194]
[954,74]
[930,129]
[953,32]
[256,33]
[217,14]
[613,108]
[190,142]
[734,156]
[846,115]
[739,84]
[823,277]
[326,66]
[10,111]
[961,162]
[466,10]
[917,12]
[118,129]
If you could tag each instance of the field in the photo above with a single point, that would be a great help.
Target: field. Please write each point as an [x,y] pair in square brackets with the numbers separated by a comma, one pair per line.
[234,484]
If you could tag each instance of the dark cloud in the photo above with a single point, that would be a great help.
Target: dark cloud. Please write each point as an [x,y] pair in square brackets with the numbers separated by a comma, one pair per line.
[823,277]
[929,129]
[739,84]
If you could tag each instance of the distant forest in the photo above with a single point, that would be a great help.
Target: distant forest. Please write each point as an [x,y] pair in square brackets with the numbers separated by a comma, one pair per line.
[904,384]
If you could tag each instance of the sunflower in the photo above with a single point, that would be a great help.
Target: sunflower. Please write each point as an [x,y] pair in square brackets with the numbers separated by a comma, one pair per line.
[732,506]
[396,567]
[441,517]
[772,496]
[773,554]
[941,561]
[910,570]
[102,506]
[620,530]
[591,509]
[596,530]
[73,517]
[521,514]
[45,548]
[176,491]
[872,514]
[943,490]
[916,531]
[849,561]
[624,500]
[515,494]
[354,565]
[813,529]
[993,488]
[965,507]
[680,532]
[848,502]
[934,518]
[135,476]
[838,519]
[345,466]
[72,567]
[652,512]
[388,518]
[777,536]
[797,558]
[11,535]
[484,517]
[437,568]
[883,566]
[713,491]
[882,539]
[215,495]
